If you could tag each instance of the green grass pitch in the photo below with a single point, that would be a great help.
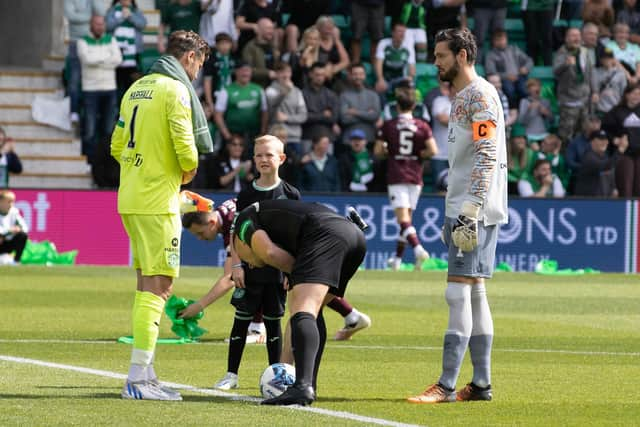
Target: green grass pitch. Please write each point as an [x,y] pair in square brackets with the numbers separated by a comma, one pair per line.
[566,353]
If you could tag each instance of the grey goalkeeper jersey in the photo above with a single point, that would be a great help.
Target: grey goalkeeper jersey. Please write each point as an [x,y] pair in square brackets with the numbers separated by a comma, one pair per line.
[477,153]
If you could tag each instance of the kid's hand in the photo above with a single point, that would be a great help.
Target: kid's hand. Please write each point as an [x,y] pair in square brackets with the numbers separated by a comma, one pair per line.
[191,311]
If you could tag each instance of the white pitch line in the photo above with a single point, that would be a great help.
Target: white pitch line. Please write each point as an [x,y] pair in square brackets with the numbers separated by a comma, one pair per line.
[351,346]
[230,396]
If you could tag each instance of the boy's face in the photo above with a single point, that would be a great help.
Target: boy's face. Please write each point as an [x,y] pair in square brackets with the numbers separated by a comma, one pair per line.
[534,90]
[599,145]
[6,203]
[268,157]
[224,47]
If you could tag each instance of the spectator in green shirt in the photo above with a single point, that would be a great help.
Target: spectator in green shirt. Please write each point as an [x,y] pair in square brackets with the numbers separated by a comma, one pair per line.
[180,15]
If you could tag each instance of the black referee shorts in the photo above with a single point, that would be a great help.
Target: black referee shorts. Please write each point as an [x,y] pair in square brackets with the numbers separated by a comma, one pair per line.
[330,251]
[268,294]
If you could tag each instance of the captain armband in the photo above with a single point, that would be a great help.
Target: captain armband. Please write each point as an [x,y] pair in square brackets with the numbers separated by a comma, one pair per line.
[485,129]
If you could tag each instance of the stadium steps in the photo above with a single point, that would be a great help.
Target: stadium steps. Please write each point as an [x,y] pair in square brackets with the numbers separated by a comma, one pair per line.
[51,180]
[53,63]
[22,95]
[32,129]
[50,156]
[15,112]
[63,147]
[75,165]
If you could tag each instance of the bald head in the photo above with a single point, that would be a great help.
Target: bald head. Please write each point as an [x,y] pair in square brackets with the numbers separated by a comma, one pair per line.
[266,29]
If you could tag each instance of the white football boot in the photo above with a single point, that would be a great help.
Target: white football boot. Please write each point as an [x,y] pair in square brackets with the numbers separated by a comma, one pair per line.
[229,381]
[146,390]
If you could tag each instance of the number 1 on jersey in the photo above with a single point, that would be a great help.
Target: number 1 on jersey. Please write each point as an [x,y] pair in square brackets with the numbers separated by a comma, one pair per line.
[132,126]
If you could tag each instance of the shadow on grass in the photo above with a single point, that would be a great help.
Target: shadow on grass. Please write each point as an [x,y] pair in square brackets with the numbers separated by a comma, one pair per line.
[68,387]
[59,396]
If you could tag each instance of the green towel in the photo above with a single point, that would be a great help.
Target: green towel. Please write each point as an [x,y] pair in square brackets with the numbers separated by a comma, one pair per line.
[503,266]
[184,328]
[550,267]
[169,66]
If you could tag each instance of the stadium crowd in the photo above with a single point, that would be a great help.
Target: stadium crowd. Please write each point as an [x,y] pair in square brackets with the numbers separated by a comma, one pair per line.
[322,74]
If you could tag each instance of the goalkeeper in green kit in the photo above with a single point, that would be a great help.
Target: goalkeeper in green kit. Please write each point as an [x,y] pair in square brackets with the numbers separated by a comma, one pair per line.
[156,141]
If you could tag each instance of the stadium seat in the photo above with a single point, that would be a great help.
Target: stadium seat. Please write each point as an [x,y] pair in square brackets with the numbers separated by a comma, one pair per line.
[371,75]
[426,77]
[542,73]
[426,69]
[514,25]
[147,58]
[575,23]
[341,22]
[480,69]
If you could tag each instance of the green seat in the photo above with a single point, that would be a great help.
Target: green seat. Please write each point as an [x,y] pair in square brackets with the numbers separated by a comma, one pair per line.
[480,69]
[341,21]
[542,73]
[147,58]
[513,25]
[575,23]
[426,69]
[560,23]
[426,78]
[387,26]
[371,75]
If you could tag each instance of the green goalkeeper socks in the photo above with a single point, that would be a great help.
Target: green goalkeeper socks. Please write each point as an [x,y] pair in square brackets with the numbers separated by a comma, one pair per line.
[146,324]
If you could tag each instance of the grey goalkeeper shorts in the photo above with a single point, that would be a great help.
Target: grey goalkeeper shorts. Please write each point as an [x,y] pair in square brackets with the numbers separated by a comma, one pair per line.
[477,263]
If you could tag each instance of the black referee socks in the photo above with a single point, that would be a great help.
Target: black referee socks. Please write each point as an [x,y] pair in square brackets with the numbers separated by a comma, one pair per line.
[305,341]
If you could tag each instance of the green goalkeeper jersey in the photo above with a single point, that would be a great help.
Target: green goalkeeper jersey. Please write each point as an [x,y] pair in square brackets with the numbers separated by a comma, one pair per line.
[154,144]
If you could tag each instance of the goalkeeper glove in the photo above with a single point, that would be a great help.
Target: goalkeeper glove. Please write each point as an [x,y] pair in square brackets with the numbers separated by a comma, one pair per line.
[193,202]
[465,232]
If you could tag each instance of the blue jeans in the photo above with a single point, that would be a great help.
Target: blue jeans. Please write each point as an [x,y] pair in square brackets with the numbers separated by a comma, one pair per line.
[515,90]
[74,83]
[99,117]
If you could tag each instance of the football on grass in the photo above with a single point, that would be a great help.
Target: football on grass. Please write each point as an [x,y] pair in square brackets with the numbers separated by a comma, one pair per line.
[276,379]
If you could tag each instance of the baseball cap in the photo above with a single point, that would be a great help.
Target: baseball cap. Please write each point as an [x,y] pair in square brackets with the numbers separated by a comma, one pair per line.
[600,134]
[357,134]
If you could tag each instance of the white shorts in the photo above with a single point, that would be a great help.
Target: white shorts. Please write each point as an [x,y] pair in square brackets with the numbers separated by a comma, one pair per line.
[415,35]
[404,195]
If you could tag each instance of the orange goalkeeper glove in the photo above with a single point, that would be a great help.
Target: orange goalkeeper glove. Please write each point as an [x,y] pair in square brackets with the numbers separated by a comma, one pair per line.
[193,202]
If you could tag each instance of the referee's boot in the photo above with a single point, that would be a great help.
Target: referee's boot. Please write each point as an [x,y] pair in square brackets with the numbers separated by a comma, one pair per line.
[297,394]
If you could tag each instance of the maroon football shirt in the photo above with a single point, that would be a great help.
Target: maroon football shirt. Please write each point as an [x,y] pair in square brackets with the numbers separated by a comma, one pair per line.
[406,137]
[227,211]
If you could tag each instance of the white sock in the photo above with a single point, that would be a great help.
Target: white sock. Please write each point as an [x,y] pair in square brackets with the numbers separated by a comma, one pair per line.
[137,373]
[420,252]
[255,326]
[352,317]
[481,336]
[456,338]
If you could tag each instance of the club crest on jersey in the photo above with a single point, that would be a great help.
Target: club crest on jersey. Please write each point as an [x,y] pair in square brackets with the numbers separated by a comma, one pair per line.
[173,259]
[185,101]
